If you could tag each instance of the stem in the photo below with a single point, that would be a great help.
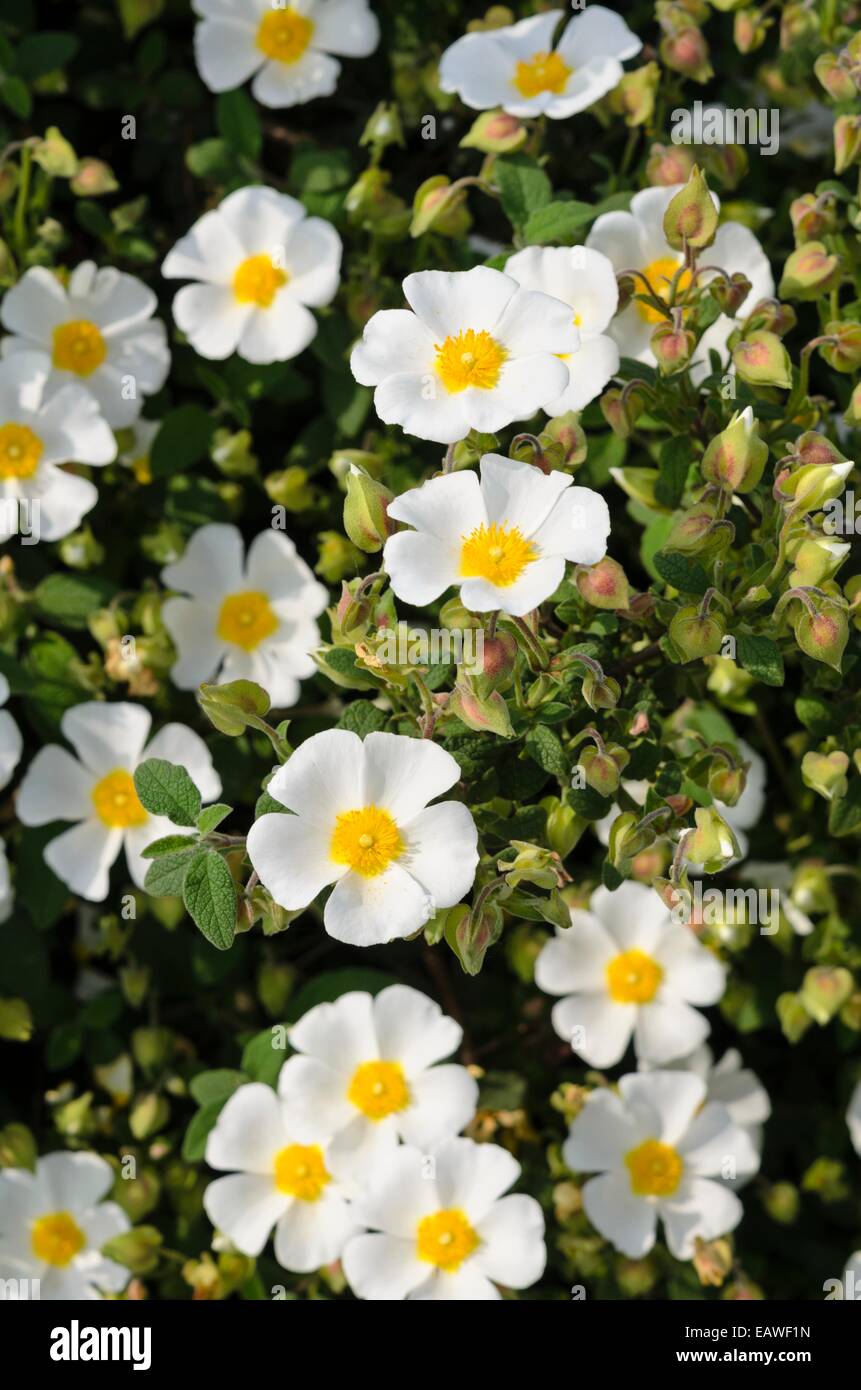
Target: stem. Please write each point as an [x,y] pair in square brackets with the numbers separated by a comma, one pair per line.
[20,220]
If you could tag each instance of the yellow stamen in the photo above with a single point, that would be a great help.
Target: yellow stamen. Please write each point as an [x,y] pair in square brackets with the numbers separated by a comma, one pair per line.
[20,451]
[633,978]
[258,280]
[284,35]
[499,554]
[56,1238]
[446,1239]
[367,839]
[78,347]
[378,1089]
[659,274]
[544,72]
[469,359]
[300,1172]
[655,1168]
[246,619]
[116,801]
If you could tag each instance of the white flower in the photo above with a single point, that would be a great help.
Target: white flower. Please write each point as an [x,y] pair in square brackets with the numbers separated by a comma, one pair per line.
[635,241]
[97,790]
[586,281]
[53,1224]
[473,351]
[261,263]
[362,821]
[367,1076]
[504,540]
[731,1084]
[519,69]
[99,333]
[11,743]
[661,1152]
[852,1279]
[39,430]
[275,1179]
[288,48]
[7,896]
[247,618]
[627,970]
[853,1118]
[443,1229]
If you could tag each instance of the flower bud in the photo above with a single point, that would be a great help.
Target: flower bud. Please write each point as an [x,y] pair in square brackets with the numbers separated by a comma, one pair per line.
[94,178]
[567,431]
[771,315]
[383,128]
[730,294]
[852,414]
[762,360]
[824,991]
[135,982]
[600,694]
[844,354]
[471,934]
[816,559]
[366,519]
[152,1048]
[603,585]
[825,774]
[726,784]
[668,165]
[712,844]
[847,142]
[692,528]
[564,828]
[498,660]
[439,206]
[798,23]
[137,1250]
[495,132]
[600,771]
[673,348]
[687,52]
[638,483]
[793,1017]
[55,155]
[782,1202]
[809,272]
[636,1277]
[148,1115]
[484,714]
[835,77]
[695,634]
[813,484]
[291,488]
[748,30]
[621,411]
[691,217]
[811,216]
[634,96]
[823,635]
[337,557]
[736,457]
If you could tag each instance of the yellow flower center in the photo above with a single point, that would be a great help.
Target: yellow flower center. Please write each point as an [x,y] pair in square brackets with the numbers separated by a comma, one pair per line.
[659,274]
[20,451]
[78,347]
[300,1172]
[246,619]
[543,72]
[57,1238]
[367,839]
[499,554]
[142,469]
[445,1239]
[284,35]
[378,1089]
[655,1169]
[116,801]
[633,978]
[469,359]
[258,280]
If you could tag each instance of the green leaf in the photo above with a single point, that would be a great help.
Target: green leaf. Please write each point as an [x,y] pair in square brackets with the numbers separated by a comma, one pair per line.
[685,575]
[263,1058]
[844,816]
[70,599]
[209,1087]
[168,844]
[212,816]
[165,789]
[588,803]
[16,95]
[37,888]
[182,441]
[233,706]
[674,461]
[523,186]
[194,1143]
[166,874]
[238,123]
[211,159]
[209,895]
[362,717]
[761,657]
[39,54]
[544,747]
[557,223]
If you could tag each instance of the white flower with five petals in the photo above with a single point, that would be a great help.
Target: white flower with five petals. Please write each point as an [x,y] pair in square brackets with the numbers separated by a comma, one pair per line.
[367,1071]
[262,265]
[504,539]
[96,789]
[473,351]
[362,821]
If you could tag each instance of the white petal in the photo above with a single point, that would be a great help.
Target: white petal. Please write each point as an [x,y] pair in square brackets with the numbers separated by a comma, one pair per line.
[85,435]
[525,385]
[596,1027]
[627,1221]
[191,626]
[312,1234]
[291,856]
[442,851]
[35,305]
[518,494]
[589,370]
[673,1096]
[534,322]
[668,1028]
[401,1192]
[512,1251]
[322,778]
[211,318]
[82,858]
[403,774]
[278,333]
[473,1176]
[346,27]
[357,1151]
[444,1102]
[382,1267]
[448,507]
[451,301]
[714,1147]
[341,1034]
[225,53]
[136,840]
[601,1134]
[701,1208]
[211,566]
[11,746]
[210,251]
[291,84]
[106,736]
[274,566]
[181,745]
[576,958]
[394,341]
[421,406]
[63,500]
[618,236]
[249,1131]
[420,567]
[371,911]
[634,915]
[412,1029]
[75,1180]
[316,1094]
[479,70]
[853,1118]
[596,32]
[690,970]
[55,787]
[313,260]
[245,1206]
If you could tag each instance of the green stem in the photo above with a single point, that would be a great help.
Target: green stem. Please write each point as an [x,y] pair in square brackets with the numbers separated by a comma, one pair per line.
[20,220]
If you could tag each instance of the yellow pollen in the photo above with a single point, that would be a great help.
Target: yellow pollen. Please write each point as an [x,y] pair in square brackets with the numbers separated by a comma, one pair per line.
[378,1089]
[633,978]
[498,554]
[78,347]
[56,1239]
[655,1169]
[446,1239]
[116,801]
[284,35]
[367,839]
[469,359]
[544,72]
[258,280]
[659,274]
[20,452]
[246,619]
[300,1172]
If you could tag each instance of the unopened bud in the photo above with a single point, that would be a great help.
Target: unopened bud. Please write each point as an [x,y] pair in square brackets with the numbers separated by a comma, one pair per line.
[835,77]
[844,353]
[824,991]
[691,217]
[847,142]
[823,635]
[366,519]
[762,360]
[809,272]
[495,132]
[749,32]
[713,844]
[603,585]
[687,51]
[825,774]
[673,348]
[735,458]
[634,96]
[695,634]
[93,179]
[600,693]
[811,216]
[567,431]
[668,165]
[817,559]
